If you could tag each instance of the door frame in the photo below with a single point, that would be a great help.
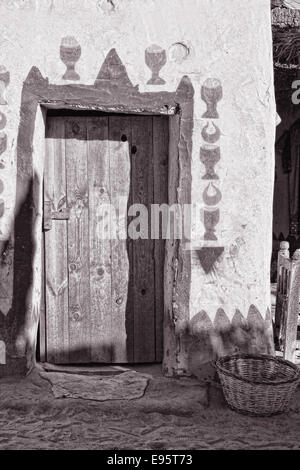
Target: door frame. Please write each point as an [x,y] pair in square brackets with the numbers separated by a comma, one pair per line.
[113,94]
[42,336]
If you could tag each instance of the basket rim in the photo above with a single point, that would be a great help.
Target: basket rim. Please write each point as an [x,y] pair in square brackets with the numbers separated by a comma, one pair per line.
[265,357]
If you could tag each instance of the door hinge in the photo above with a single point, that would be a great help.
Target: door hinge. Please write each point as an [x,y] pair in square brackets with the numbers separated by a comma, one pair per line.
[49,215]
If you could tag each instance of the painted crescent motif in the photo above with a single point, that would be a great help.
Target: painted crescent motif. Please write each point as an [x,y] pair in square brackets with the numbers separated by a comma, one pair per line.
[211,137]
[212,195]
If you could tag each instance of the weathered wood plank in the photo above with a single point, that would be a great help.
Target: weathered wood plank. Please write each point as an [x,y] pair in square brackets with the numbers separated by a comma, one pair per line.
[121,264]
[56,270]
[292,310]
[100,254]
[160,165]
[143,249]
[171,249]
[42,322]
[283,264]
[78,240]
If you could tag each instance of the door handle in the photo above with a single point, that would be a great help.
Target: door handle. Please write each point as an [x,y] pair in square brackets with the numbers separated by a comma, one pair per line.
[49,215]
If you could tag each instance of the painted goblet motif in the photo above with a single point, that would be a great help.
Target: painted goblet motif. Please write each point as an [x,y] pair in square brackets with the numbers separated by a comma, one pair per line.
[209,156]
[211,218]
[155,58]
[70,52]
[211,93]
[4,81]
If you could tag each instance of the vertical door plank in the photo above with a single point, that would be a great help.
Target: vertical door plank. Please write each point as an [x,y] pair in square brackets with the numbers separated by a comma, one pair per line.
[42,324]
[121,264]
[160,165]
[56,268]
[143,249]
[78,239]
[100,254]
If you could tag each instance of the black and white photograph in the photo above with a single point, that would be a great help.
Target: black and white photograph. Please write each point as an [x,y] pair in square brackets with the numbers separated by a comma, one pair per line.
[149,228]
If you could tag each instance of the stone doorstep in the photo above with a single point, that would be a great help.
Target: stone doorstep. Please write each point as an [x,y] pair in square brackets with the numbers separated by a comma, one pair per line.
[105,370]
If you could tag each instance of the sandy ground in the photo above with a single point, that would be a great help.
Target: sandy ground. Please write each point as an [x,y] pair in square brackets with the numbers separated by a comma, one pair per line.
[173,414]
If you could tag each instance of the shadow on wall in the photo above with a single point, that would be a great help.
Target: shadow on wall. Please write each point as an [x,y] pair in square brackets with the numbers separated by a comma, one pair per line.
[12,325]
[207,340]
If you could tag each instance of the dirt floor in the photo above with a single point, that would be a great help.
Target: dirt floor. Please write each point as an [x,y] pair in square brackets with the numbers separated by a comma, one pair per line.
[173,414]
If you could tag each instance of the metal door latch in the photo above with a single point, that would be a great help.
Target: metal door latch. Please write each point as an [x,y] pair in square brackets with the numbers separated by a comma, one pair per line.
[49,215]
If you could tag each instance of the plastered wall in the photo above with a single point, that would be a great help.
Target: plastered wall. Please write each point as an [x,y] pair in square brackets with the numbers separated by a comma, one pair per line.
[224,48]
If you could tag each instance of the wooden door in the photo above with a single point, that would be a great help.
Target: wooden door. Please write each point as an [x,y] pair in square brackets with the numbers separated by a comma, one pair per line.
[103,295]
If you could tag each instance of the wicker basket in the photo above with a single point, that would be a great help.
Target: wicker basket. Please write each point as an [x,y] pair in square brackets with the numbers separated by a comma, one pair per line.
[258,385]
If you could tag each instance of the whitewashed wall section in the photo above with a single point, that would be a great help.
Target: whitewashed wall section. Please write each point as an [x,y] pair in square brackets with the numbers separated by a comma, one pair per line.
[6,235]
[4,82]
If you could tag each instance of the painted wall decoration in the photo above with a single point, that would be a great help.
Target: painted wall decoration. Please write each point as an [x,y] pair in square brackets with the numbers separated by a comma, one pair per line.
[155,58]
[210,154]
[70,52]
[211,219]
[211,133]
[4,81]
[208,256]
[3,142]
[2,120]
[112,70]
[178,52]
[211,195]
[211,93]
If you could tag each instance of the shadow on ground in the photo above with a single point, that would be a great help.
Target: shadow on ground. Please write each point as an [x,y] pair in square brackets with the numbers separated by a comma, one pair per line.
[172,414]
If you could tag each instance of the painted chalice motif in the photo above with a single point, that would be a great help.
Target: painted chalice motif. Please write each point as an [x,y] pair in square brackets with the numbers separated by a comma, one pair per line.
[155,58]
[4,81]
[211,93]
[70,52]
[211,218]
[209,156]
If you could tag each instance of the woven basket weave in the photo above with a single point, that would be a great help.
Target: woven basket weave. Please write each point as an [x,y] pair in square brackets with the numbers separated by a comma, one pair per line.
[258,385]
